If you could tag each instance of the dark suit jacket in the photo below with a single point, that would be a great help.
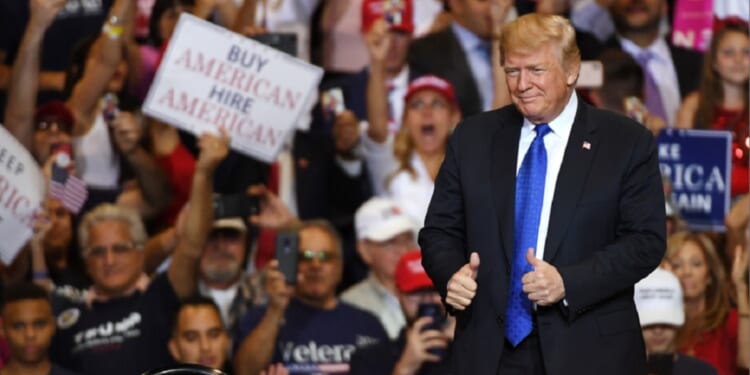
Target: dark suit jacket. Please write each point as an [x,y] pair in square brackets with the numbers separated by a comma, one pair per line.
[687,63]
[606,232]
[441,54]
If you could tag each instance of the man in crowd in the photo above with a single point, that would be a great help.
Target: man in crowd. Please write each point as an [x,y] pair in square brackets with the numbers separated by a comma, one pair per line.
[384,233]
[199,335]
[222,274]
[123,326]
[305,326]
[420,348]
[28,326]
[670,72]
[658,298]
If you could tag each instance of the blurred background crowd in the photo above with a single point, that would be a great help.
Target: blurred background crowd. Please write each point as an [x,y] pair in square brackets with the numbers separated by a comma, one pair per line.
[172,257]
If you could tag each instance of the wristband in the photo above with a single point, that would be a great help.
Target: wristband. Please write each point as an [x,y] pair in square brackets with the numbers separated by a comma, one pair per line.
[40,275]
[112,29]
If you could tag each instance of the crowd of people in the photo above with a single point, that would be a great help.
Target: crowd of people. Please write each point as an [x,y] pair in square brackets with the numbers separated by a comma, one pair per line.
[173,257]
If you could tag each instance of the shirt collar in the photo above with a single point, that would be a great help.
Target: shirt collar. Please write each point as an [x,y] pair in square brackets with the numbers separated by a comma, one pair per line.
[658,48]
[563,123]
[468,40]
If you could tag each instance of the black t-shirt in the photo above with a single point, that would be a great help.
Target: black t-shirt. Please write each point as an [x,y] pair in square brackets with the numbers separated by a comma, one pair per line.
[57,370]
[686,365]
[382,358]
[123,336]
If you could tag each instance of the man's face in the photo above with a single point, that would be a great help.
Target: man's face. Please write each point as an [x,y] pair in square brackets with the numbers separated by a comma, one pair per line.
[659,338]
[111,257]
[429,118]
[396,58]
[28,326]
[538,84]
[200,337]
[61,232]
[319,265]
[636,15]
[410,302]
[473,15]
[383,256]
[47,132]
[222,256]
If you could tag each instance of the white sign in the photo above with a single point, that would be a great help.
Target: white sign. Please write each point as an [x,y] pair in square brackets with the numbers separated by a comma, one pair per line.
[21,195]
[212,78]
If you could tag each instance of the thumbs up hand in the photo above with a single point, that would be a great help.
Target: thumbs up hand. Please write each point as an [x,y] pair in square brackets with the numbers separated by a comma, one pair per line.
[543,285]
[463,284]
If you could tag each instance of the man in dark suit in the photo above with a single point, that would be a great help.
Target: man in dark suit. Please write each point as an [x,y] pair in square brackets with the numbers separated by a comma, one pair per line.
[675,71]
[460,54]
[563,204]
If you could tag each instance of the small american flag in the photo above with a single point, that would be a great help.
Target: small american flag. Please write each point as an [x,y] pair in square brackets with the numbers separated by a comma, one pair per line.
[68,188]
[586,145]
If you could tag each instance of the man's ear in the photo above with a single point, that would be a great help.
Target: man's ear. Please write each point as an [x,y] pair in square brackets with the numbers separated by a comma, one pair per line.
[571,73]
[172,345]
[363,253]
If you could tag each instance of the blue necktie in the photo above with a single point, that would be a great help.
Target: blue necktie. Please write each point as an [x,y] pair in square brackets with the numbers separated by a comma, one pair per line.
[529,197]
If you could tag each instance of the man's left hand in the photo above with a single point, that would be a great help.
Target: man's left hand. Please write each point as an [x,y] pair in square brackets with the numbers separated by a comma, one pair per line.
[543,285]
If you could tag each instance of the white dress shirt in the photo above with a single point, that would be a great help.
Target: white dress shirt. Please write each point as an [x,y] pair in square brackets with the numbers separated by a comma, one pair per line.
[662,69]
[555,143]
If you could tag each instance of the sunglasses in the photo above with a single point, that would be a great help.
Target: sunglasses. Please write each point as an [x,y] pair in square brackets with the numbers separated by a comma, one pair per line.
[51,124]
[322,256]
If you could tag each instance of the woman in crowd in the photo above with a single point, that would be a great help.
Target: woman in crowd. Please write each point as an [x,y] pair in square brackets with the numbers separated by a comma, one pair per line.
[714,330]
[722,102]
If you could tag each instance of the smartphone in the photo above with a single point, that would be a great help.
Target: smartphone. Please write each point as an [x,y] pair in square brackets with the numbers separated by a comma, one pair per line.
[591,75]
[63,153]
[332,101]
[434,311]
[284,42]
[235,205]
[287,253]
[635,109]
[111,107]
[660,363]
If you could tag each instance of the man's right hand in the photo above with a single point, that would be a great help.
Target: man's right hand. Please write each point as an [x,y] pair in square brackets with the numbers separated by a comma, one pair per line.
[378,41]
[463,284]
[279,293]
[43,12]
[418,343]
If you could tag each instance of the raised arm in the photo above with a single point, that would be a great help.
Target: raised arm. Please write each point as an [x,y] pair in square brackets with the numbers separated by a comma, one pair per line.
[245,16]
[378,43]
[104,56]
[24,78]
[183,269]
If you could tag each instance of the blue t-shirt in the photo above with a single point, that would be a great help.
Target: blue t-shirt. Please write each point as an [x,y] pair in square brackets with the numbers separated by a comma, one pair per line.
[316,341]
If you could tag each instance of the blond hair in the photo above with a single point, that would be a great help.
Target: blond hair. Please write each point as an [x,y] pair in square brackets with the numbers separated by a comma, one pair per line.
[532,31]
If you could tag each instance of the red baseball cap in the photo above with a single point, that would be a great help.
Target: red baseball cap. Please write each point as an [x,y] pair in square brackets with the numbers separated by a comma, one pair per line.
[398,13]
[410,275]
[432,82]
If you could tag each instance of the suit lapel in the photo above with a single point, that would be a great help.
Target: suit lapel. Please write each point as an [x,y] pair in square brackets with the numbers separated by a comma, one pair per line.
[503,176]
[579,153]
[459,70]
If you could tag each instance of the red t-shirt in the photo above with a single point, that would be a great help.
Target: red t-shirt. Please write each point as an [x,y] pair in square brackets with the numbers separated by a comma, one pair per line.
[719,347]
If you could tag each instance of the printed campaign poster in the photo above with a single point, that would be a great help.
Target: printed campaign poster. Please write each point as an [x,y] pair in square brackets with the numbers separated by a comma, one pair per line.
[21,194]
[212,78]
[693,24]
[698,164]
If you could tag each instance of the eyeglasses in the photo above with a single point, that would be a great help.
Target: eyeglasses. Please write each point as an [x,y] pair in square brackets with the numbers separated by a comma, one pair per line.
[227,234]
[322,256]
[49,125]
[420,104]
[117,249]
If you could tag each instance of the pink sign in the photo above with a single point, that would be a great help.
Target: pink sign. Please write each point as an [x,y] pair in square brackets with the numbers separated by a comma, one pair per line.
[693,24]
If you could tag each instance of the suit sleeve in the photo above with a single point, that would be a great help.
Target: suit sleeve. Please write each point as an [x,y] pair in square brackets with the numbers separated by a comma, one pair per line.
[443,237]
[640,236]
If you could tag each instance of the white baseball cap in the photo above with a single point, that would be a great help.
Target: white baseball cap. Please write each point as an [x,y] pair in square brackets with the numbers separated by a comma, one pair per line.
[658,298]
[380,219]
[230,223]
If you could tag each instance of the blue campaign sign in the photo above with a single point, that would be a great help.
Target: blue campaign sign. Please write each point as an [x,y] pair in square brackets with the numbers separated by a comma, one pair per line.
[698,164]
